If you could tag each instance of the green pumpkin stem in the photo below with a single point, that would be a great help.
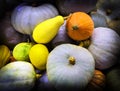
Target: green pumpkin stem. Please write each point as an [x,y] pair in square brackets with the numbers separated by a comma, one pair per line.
[72,60]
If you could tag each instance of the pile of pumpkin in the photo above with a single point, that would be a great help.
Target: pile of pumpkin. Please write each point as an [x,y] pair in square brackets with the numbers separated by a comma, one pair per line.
[81,45]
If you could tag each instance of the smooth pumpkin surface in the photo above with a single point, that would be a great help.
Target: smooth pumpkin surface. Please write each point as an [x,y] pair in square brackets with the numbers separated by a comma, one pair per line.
[17,76]
[79,26]
[70,67]
[105,47]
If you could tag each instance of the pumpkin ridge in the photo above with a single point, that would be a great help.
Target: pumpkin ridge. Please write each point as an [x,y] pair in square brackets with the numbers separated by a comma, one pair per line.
[104,49]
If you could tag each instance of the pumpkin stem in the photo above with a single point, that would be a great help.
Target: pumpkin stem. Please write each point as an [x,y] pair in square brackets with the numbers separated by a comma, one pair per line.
[66,17]
[85,43]
[72,60]
[75,27]
[38,76]
[34,4]
[108,12]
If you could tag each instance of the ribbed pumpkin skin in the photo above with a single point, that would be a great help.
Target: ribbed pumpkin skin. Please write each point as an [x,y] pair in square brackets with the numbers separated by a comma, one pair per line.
[99,20]
[17,76]
[105,47]
[25,18]
[65,76]
[80,26]
[98,82]
[4,55]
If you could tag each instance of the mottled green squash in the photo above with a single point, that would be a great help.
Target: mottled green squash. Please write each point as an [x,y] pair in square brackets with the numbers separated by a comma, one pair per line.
[17,76]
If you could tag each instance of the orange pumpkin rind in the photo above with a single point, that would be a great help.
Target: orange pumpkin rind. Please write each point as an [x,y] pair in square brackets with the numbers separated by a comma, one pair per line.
[79,26]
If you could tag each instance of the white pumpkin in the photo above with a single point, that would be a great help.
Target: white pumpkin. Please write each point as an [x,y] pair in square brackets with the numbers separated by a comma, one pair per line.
[24,18]
[105,47]
[70,67]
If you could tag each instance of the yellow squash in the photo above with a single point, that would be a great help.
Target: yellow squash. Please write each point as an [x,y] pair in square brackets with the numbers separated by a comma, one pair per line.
[44,32]
[4,55]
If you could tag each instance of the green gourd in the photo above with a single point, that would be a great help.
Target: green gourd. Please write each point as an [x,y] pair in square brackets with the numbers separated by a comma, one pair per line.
[17,76]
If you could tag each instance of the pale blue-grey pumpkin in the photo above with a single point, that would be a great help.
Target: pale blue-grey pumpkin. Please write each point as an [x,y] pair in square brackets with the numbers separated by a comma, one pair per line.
[70,67]
[105,47]
[25,18]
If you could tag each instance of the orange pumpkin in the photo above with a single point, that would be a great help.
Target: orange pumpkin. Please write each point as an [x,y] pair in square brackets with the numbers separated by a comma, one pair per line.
[79,26]
[98,82]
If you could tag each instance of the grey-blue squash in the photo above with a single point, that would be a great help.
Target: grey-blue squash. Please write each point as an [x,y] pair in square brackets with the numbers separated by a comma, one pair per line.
[70,67]
[17,76]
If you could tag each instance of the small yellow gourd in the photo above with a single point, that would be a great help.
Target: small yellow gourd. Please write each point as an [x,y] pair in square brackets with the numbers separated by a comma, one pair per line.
[4,55]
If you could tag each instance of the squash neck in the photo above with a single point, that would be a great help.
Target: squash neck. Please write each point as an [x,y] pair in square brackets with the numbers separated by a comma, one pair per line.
[71,60]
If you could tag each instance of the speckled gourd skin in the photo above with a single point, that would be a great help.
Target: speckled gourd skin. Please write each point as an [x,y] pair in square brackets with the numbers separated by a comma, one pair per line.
[17,76]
